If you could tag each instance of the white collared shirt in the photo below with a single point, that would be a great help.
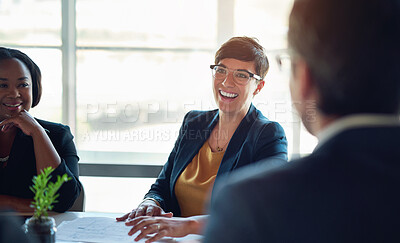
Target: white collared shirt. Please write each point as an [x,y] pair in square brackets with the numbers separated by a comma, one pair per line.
[356,121]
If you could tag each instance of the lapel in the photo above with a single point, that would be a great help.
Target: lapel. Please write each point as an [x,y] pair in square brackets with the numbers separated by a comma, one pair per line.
[22,150]
[233,149]
[197,133]
[194,136]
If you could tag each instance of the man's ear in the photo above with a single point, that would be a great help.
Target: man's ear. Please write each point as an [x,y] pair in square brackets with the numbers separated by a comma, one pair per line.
[306,95]
[260,85]
[306,85]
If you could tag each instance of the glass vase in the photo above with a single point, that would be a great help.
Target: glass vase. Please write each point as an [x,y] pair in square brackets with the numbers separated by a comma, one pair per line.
[44,230]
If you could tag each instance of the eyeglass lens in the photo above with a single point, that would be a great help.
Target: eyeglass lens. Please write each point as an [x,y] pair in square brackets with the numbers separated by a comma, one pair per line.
[239,76]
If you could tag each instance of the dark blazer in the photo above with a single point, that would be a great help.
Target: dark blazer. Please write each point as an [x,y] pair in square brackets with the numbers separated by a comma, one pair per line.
[11,230]
[16,177]
[347,190]
[255,138]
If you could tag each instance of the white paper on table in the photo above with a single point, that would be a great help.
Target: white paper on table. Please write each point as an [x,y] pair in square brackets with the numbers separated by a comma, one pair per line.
[96,229]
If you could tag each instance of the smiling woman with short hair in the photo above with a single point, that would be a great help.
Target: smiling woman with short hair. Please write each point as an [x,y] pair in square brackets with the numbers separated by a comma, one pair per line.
[211,144]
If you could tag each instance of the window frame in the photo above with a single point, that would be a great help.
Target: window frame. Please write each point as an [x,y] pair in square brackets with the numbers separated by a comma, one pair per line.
[69,49]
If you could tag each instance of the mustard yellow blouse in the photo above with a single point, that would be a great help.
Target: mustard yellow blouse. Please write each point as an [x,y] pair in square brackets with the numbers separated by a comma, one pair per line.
[193,187]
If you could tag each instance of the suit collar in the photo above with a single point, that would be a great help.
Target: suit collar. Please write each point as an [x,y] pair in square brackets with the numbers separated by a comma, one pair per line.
[196,137]
[364,141]
[356,121]
[238,139]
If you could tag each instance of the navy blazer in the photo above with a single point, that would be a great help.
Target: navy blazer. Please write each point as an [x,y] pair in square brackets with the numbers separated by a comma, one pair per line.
[11,230]
[256,138]
[17,176]
[347,190]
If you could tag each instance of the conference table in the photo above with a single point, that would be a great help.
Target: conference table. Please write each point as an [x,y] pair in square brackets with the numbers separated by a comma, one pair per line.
[70,216]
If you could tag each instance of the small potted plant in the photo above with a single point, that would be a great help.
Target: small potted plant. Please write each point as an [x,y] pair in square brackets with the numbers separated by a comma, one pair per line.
[40,225]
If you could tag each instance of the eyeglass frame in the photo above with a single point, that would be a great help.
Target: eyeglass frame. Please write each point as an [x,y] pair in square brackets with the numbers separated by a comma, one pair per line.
[252,75]
[286,56]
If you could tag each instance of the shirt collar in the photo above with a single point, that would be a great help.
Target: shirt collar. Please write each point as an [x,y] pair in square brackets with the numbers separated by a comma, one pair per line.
[356,121]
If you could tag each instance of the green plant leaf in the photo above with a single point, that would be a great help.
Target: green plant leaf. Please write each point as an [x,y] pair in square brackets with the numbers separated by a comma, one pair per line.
[45,192]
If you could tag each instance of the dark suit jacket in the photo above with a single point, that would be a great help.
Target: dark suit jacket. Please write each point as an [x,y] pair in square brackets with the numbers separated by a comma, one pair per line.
[11,230]
[255,138]
[345,191]
[16,177]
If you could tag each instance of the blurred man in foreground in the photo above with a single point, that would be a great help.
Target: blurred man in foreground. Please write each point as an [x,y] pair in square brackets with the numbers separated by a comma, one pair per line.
[346,87]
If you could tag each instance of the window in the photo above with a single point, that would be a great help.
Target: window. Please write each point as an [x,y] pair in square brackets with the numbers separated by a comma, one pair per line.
[138,72]
[123,73]
[36,30]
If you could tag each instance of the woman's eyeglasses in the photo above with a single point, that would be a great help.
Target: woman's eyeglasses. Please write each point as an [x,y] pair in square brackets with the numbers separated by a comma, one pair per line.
[240,76]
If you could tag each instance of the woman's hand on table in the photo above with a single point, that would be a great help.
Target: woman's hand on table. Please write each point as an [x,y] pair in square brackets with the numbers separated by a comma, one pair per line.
[146,208]
[162,227]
